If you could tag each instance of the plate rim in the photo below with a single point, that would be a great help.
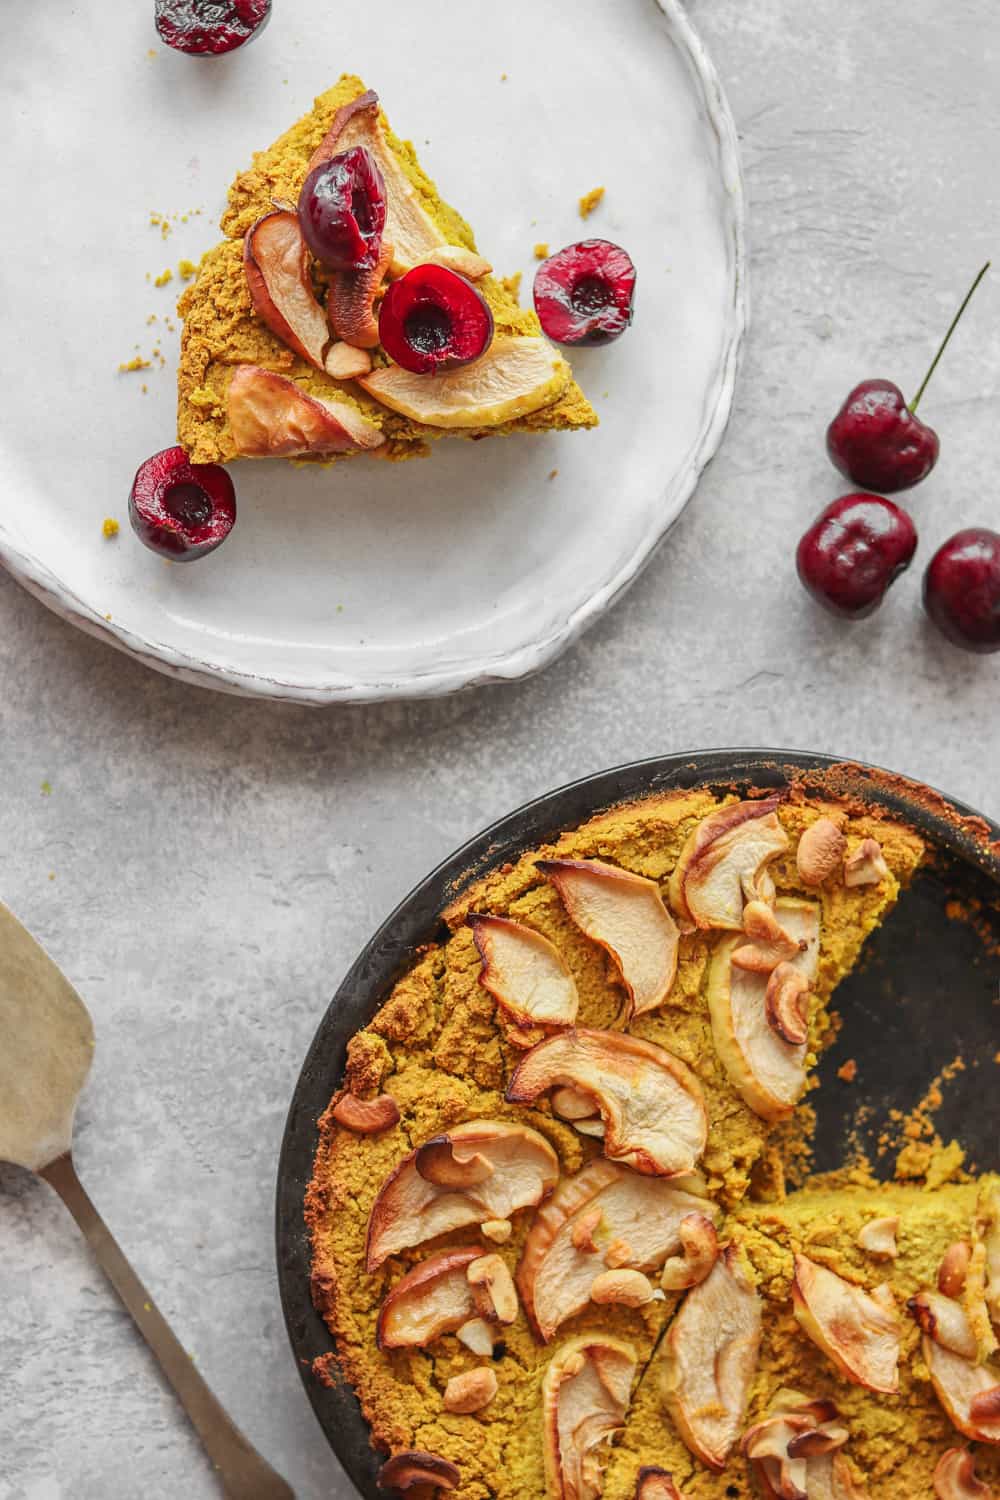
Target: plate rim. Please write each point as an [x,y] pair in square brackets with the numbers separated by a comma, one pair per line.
[518,661]
[949,822]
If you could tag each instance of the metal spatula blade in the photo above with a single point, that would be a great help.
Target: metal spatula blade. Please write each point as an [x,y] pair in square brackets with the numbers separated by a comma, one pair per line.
[46,1047]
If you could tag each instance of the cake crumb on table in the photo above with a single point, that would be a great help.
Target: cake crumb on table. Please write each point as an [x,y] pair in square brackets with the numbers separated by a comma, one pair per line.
[164,276]
[848,1071]
[541,250]
[553,473]
[136,363]
[110,527]
[589,202]
[186,269]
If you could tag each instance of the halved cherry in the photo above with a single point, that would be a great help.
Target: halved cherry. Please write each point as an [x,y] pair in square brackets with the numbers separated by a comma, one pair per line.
[433,319]
[180,509]
[583,293]
[342,210]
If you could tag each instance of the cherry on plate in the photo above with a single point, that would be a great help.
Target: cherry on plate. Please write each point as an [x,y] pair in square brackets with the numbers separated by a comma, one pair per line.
[179,509]
[433,319]
[208,28]
[962,589]
[877,440]
[584,293]
[854,551]
[342,210]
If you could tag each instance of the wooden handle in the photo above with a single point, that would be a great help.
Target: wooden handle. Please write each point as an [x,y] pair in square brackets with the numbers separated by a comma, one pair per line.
[242,1472]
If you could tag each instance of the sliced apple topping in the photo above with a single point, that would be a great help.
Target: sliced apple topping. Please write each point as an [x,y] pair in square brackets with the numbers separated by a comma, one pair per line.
[752,1035]
[656,1484]
[524,973]
[700,1244]
[478,1336]
[409,228]
[571,1105]
[625,914]
[407,1471]
[436,1297]
[955,1477]
[606,1217]
[585,1394]
[350,301]
[272,417]
[866,864]
[966,1384]
[457,258]
[513,377]
[711,1351]
[650,1102]
[485,1169]
[724,861]
[858,1331]
[795,1453]
[276,263]
[366,1116]
[877,1238]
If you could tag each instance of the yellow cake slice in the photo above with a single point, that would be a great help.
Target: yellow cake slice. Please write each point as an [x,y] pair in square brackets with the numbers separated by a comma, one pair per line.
[243,391]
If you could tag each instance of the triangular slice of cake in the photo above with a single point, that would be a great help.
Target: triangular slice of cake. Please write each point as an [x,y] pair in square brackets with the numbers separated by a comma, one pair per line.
[281,355]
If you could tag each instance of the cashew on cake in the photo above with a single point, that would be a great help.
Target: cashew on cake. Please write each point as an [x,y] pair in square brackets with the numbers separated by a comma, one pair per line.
[283,353]
[551,1231]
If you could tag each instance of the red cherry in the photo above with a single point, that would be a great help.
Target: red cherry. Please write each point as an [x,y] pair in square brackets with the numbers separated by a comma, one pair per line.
[584,293]
[853,551]
[433,319]
[207,28]
[962,589]
[342,210]
[877,440]
[180,509]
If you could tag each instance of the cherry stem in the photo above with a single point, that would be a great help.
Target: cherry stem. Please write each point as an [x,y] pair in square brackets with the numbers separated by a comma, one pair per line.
[944,342]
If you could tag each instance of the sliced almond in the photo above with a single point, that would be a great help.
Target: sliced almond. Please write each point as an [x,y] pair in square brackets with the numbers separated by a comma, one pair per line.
[786,1004]
[955,1477]
[865,865]
[493,1289]
[497,1230]
[877,1238]
[272,417]
[726,855]
[601,1211]
[656,1484]
[444,1164]
[651,1103]
[405,1471]
[477,1335]
[344,362]
[954,1268]
[433,1299]
[700,1244]
[768,1071]
[525,973]
[770,944]
[457,258]
[366,1116]
[622,1288]
[409,1209]
[570,1104]
[515,376]
[625,914]
[585,1395]
[858,1332]
[710,1360]
[471,1391]
[276,263]
[820,852]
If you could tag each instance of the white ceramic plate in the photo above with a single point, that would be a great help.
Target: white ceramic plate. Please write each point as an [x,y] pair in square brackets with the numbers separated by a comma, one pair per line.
[369,580]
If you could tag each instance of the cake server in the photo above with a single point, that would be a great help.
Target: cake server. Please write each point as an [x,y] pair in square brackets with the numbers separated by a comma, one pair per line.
[46,1047]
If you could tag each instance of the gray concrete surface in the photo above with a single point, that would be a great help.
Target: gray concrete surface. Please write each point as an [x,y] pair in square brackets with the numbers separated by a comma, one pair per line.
[204,869]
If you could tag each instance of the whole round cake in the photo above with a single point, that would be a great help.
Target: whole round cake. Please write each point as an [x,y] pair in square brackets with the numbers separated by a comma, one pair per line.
[561,1228]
